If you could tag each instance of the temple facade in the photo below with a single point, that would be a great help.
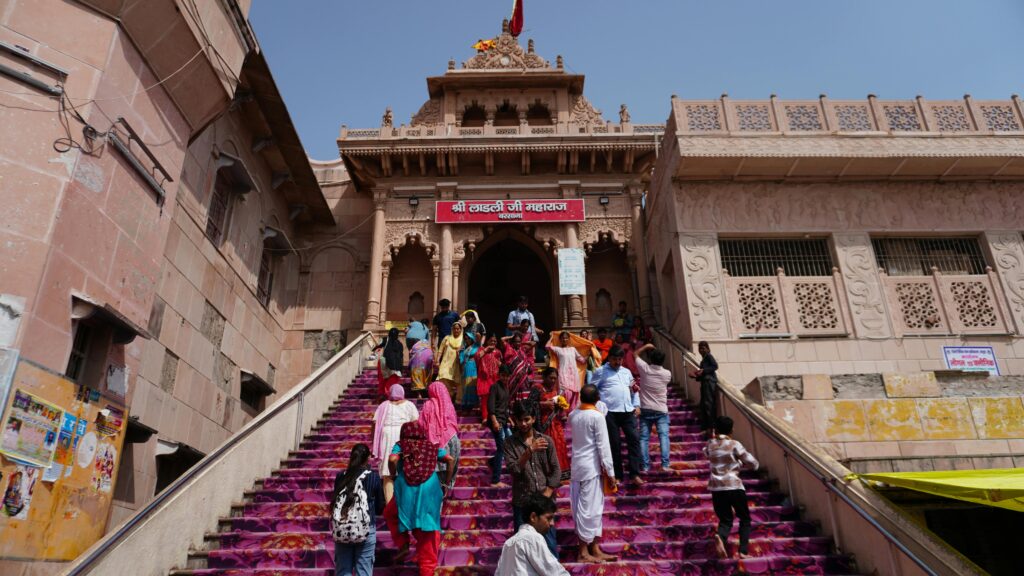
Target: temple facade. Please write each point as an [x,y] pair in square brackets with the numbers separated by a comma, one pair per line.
[504,165]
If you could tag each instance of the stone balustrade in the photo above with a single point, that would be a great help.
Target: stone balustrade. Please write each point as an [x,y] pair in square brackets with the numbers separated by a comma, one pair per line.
[440,131]
[873,115]
[944,304]
[781,306]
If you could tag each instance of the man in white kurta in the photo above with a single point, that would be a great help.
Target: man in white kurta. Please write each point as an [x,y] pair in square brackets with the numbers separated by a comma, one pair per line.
[527,553]
[591,457]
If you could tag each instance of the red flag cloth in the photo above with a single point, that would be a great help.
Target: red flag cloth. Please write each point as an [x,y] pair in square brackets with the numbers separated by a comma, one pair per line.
[515,26]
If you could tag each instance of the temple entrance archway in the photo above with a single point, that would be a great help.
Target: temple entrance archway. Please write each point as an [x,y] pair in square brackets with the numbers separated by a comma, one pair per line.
[506,265]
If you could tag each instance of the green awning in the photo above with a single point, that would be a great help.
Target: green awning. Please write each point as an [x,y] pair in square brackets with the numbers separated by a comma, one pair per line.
[1003,487]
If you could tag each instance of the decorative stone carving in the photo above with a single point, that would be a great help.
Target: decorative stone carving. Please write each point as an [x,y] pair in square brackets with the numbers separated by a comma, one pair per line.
[506,54]
[1008,254]
[803,117]
[398,234]
[754,117]
[617,229]
[703,117]
[464,237]
[703,281]
[1000,118]
[863,287]
[387,119]
[974,304]
[429,114]
[951,118]
[902,117]
[550,235]
[816,306]
[759,307]
[918,304]
[583,112]
[854,118]
[623,114]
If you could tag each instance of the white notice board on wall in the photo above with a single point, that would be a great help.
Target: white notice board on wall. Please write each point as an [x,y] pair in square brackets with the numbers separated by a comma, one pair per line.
[572,274]
[971,359]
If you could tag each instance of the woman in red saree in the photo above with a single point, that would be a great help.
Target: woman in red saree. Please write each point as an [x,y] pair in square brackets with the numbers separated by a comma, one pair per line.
[518,356]
[488,361]
[552,417]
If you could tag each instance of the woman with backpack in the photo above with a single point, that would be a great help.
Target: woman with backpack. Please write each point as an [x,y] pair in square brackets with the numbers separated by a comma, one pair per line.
[357,499]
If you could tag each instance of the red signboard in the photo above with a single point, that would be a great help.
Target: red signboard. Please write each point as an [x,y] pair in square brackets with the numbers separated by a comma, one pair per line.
[496,211]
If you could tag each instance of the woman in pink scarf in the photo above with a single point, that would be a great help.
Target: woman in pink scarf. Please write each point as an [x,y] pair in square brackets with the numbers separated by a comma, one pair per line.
[442,424]
[387,429]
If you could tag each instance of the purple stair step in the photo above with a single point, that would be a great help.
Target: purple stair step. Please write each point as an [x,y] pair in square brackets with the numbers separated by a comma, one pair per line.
[282,529]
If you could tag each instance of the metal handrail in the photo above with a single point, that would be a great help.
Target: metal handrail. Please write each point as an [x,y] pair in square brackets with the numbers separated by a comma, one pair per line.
[294,395]
[807,459]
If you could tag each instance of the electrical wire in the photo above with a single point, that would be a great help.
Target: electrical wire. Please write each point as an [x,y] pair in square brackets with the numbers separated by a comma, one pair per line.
[325,242]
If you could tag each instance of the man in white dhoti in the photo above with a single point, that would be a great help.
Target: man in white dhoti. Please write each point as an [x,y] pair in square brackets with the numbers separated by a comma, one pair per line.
[592,467]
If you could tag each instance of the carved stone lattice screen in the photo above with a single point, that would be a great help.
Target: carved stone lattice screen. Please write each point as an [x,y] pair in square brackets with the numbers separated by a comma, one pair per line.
[783,305]
[812,305]
[759,306]
[941,304]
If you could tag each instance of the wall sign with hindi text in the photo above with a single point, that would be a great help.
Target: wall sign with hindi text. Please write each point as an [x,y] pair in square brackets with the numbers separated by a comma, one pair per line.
[496,211]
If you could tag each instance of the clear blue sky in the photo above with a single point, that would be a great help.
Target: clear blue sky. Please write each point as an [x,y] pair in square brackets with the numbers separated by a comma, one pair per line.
[343,61]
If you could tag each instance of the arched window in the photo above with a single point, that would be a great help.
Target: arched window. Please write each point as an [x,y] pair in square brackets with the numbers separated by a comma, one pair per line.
[230,181]
[474,116]
[415,307]
[604,301]
[275,245]
[506,115]
[538,115]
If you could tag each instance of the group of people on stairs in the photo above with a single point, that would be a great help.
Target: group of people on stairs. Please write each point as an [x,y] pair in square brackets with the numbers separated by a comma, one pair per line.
[591,396]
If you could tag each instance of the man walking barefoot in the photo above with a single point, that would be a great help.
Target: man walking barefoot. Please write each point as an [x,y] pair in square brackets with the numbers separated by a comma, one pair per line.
[591,467]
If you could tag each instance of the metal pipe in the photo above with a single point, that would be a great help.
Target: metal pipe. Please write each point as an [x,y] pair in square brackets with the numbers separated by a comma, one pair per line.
[33,82]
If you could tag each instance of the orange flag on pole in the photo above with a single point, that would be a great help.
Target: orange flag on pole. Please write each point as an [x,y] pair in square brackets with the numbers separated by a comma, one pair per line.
[515,26]
[485,45]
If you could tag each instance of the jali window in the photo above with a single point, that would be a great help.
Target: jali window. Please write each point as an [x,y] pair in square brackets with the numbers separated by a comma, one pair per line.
[917,256]
[764,256]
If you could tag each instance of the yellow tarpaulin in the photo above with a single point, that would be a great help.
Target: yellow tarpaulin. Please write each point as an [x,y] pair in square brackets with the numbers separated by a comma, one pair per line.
[1002,487]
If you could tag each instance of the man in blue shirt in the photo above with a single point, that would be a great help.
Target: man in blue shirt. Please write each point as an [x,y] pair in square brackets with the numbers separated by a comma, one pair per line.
[522,314]
[615,384]
[444,319]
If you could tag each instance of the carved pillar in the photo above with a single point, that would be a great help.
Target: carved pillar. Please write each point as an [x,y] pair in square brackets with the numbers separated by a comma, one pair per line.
[863,286]
[574,314]
[445,273]
[705,288]
[1007,252]
[385,274]
[455,286]
[638,242]
[372,319]
[436,265]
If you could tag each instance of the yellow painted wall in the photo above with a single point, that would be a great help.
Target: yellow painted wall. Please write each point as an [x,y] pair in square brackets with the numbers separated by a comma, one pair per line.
[66,516]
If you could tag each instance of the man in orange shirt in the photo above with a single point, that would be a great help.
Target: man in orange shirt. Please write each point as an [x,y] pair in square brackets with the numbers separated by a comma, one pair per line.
[603,343]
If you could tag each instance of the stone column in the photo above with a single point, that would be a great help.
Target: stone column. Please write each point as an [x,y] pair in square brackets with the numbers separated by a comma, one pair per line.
[639,243]
[455,286]
[444,283]
[574,301]
[864,292]
[385,274]
[372,320]
[436,265]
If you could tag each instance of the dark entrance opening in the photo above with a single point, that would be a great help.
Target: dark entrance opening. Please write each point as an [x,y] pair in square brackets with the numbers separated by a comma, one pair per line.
[505,271]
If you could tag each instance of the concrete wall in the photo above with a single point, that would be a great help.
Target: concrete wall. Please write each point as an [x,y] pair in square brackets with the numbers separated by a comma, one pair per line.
[903,421]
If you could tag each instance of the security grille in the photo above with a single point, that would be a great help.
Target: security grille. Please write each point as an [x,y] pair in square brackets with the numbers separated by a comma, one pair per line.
[917,256]
[763,257]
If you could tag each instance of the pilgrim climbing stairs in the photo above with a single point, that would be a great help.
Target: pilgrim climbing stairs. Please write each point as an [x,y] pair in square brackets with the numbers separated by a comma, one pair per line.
[663,528]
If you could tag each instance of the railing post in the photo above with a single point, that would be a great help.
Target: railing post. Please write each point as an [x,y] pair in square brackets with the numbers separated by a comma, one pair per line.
[298,419]
[836,534]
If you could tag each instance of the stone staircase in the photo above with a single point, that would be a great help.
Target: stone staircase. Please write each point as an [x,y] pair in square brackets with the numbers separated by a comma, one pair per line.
[663,528]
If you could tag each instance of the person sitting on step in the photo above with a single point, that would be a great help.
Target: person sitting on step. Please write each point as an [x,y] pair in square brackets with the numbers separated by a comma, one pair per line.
[526,553]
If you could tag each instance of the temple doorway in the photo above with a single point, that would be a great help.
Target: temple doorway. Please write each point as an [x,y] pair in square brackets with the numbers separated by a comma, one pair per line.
[503,269]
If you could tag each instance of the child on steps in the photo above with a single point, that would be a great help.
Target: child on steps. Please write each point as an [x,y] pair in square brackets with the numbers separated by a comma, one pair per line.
[728,458]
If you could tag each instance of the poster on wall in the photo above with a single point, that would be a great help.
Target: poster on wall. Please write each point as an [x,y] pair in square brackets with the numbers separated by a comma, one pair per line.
[30,429]
[110,421]
[971,359]
[572,274]
[64,456]
[103,468]
[21,484]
